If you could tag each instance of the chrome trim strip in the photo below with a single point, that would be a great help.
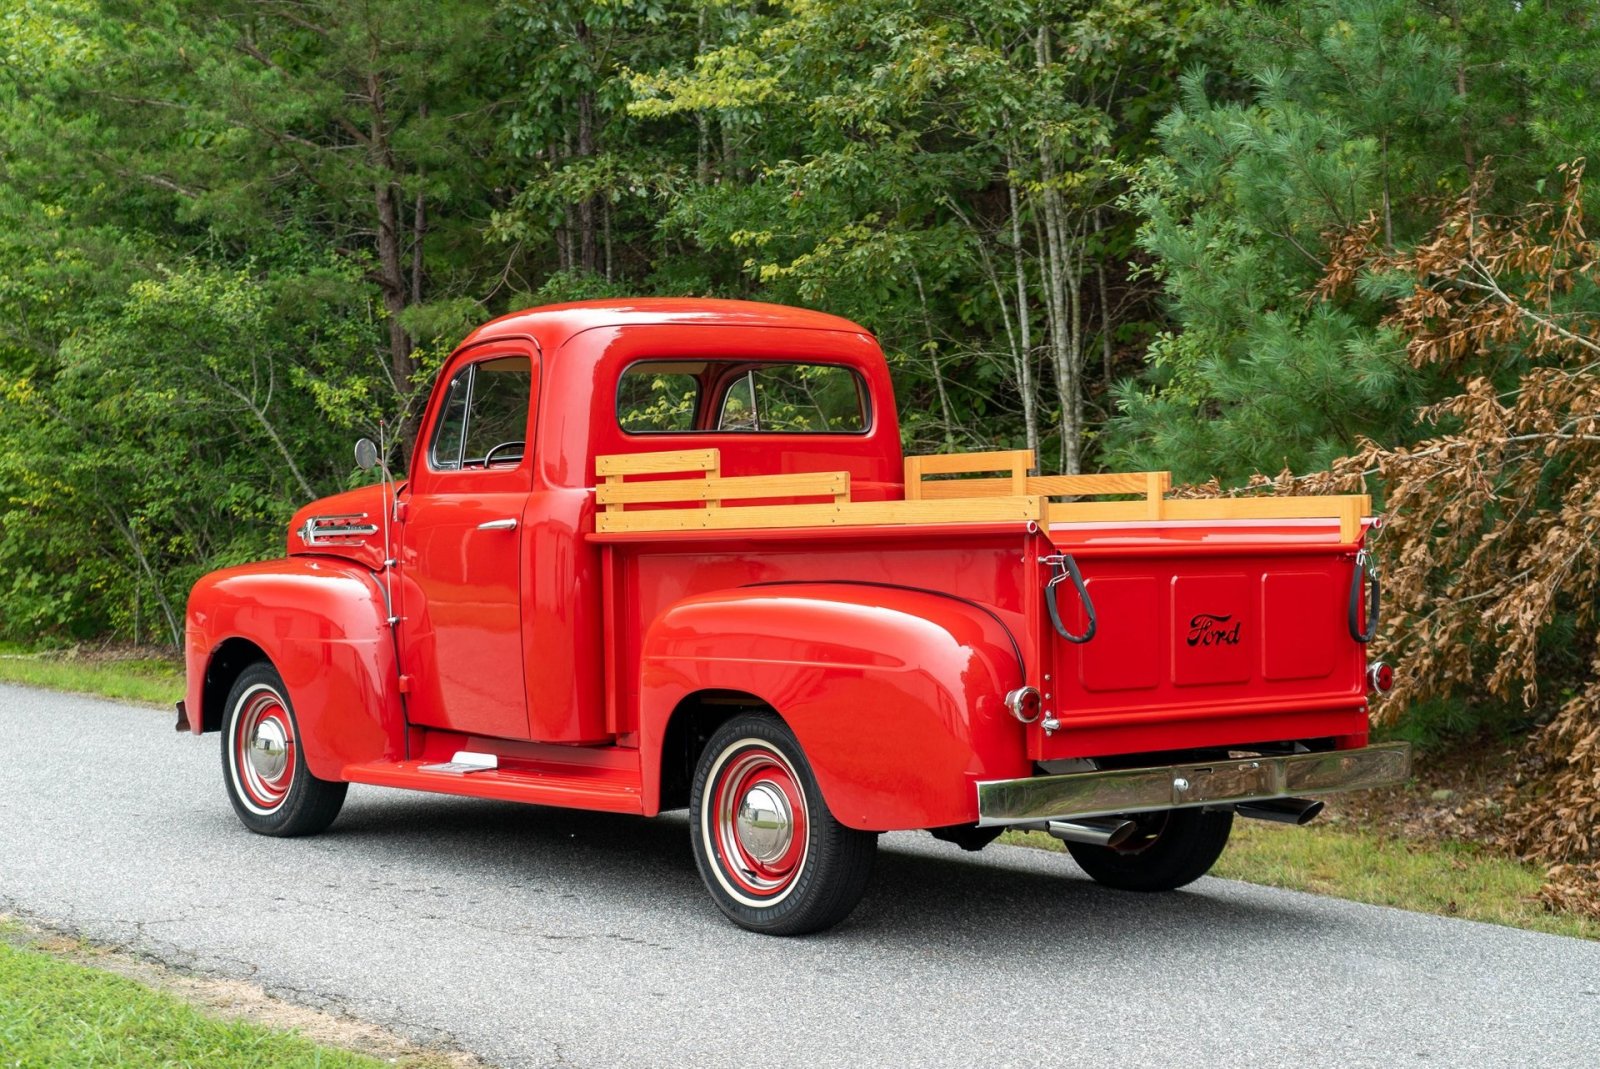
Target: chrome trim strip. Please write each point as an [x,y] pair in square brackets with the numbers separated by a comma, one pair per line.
[335,530]
[1143,790]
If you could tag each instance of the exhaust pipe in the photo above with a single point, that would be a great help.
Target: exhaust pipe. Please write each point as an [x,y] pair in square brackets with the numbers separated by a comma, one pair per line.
[1095,831]
[1297,811]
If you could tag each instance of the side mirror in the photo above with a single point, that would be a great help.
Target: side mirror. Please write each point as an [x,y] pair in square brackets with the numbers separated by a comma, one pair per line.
[366,454]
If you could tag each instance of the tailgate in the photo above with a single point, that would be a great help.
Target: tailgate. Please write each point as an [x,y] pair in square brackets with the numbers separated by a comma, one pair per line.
[1202,641]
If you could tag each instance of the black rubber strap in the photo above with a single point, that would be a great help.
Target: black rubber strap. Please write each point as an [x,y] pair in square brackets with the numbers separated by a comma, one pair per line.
[1066,568]
[1354,620]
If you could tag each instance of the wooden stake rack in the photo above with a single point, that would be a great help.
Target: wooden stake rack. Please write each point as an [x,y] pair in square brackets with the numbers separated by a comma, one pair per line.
[700,492]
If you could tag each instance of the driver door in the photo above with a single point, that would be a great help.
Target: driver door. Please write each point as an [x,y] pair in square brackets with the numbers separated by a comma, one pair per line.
[461,551]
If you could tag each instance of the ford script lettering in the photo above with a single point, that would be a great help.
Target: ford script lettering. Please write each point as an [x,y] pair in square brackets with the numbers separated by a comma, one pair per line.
[1208,629]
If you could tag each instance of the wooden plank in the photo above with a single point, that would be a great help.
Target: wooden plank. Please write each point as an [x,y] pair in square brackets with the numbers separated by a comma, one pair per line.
[1099,511]
[1355,506]
[961,463]
[1328,506]
[1347,510]
[1156,484]
[848,514]
[913,478]
[1021,461]
[805,484]
[1142,482]
[1131,482]
[658,463]
[955,489]
[714,472]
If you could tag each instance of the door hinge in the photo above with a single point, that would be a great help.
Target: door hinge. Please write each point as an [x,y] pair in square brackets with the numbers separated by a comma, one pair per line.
[405,683]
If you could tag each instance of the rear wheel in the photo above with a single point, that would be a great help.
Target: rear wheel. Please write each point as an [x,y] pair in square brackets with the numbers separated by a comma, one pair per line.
[268,783]
[772,856]
[1172,847]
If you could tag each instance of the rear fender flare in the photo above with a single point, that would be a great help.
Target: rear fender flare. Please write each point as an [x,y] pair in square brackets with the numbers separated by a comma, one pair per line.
[895,694]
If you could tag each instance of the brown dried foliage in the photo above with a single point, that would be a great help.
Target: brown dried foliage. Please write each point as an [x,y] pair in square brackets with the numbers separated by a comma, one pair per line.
[1494,522]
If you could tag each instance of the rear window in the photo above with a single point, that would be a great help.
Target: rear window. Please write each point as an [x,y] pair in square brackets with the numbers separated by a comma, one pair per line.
[740,396]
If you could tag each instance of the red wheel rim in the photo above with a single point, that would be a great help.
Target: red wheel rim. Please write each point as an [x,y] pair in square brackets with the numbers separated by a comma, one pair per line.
[755,823]
[263,750]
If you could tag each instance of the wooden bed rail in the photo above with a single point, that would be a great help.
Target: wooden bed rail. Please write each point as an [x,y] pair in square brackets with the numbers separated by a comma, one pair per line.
[700,491]
[1151,486]
[704,490]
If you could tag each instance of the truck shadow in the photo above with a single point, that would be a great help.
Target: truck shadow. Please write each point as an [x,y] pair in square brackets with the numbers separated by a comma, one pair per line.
[925,894]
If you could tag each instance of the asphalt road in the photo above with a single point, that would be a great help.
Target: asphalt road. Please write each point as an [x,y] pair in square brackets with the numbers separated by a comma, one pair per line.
[541,937]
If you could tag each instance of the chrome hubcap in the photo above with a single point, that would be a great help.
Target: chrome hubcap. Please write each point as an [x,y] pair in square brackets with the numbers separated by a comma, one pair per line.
[764,823]
[269,749]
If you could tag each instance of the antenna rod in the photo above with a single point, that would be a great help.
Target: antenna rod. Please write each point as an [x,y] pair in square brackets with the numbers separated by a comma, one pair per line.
[390,495]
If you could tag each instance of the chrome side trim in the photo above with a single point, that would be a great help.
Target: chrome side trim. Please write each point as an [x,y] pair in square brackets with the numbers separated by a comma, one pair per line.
[335,530]
[1215,783]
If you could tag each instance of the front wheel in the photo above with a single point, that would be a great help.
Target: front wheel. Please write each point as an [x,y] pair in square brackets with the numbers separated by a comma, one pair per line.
[773,857]
[268,783]
[1171,848]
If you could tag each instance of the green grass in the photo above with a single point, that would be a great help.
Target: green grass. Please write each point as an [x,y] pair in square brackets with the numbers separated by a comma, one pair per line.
[149,681]
[57,1014]
[1450,879]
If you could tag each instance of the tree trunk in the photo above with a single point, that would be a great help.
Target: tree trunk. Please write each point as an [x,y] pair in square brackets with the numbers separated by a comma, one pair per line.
[1106,348]
[702,122]
[391,276]
[131,536]
[1063,303]
[932,347]
[588,249]
[1024,356]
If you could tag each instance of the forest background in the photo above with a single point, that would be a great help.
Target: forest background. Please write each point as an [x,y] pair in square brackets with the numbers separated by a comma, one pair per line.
[1272,246]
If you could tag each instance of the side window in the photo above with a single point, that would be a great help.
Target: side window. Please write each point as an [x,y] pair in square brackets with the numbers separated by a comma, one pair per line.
[485,416]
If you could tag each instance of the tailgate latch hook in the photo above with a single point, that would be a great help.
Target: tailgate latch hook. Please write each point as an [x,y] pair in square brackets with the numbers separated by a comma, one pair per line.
[1064,568]
[1354,611]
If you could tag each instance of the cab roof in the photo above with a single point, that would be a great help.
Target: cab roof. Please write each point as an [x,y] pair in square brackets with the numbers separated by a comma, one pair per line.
[553,325]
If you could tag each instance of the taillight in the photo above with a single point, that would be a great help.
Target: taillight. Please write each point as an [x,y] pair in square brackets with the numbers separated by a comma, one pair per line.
[1024,704]
[1380,677]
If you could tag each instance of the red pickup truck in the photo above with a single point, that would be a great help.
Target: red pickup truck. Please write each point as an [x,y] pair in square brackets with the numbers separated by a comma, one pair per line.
[664,553]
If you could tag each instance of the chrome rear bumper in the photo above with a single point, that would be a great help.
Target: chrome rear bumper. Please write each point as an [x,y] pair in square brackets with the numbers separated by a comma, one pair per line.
[1213,783]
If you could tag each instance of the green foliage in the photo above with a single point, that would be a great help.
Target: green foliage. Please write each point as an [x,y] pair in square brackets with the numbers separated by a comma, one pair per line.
[234,236]
[1338,114]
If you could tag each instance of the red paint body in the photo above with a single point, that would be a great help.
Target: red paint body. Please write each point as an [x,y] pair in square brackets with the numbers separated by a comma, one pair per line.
[579,659]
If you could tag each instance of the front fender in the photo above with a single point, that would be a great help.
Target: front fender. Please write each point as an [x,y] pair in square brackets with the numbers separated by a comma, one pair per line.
[323,624]
[896,695]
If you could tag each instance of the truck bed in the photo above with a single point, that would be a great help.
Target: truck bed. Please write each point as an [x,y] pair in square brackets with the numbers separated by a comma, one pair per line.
[1221,623]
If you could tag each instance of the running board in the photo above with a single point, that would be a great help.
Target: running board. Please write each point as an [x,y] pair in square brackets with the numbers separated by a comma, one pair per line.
[1076,795]
[606,790]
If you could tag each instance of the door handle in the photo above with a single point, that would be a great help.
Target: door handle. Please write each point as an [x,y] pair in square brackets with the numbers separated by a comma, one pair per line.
[507,524]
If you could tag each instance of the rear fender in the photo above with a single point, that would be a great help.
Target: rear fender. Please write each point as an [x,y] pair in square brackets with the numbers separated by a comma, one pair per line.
[896,695]
[322,623]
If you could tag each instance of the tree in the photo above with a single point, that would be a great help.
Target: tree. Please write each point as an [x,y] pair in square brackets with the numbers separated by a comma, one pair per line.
[1492,545]
[946,173]
[1337,111]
